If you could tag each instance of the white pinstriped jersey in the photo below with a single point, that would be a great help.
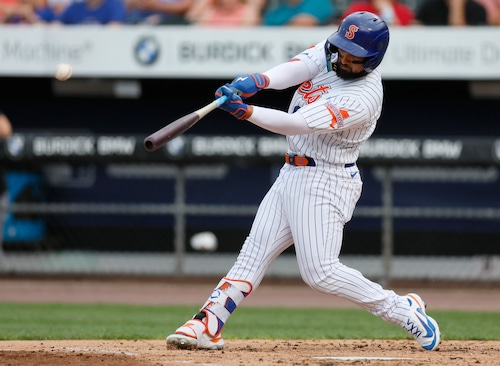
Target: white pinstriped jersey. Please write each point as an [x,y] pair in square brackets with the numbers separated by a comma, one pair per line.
[342,112]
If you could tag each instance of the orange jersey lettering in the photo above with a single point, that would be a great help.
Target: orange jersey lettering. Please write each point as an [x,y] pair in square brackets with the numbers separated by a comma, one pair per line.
[309,94]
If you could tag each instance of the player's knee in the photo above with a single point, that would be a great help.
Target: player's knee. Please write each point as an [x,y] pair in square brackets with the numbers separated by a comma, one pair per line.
[323,278]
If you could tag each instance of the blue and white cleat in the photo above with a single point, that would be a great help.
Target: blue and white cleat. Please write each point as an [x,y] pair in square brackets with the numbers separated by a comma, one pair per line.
[421,326]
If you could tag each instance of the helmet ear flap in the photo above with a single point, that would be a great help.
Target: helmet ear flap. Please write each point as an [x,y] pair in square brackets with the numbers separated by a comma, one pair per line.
[370,64]
[330,49]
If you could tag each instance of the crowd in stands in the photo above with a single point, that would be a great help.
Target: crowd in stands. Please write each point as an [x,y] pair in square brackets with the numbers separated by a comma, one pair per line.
[249,13]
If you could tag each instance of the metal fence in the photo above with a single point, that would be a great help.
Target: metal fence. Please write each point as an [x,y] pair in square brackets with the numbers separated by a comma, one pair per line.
[88,237]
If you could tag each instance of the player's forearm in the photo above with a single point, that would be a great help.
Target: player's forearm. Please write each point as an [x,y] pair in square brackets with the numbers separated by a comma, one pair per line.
[278,121]
[288,74]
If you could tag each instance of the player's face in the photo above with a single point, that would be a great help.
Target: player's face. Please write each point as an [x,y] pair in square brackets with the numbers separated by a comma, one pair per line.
[349,66]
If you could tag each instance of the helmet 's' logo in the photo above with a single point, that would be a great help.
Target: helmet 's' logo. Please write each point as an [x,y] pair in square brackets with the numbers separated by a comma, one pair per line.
[349,34]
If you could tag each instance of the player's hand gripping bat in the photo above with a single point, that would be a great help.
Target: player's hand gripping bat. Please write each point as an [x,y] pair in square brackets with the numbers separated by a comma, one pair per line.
[179,126]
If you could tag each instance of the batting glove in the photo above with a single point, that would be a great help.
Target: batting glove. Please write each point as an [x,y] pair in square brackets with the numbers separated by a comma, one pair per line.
[249,84]
[234,104]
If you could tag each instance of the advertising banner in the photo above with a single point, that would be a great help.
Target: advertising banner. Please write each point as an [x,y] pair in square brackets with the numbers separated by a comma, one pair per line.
[468,53]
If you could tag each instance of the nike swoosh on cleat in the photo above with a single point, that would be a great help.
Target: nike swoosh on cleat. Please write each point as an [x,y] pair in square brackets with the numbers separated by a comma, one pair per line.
[353,174]
[428,327]
[429,347]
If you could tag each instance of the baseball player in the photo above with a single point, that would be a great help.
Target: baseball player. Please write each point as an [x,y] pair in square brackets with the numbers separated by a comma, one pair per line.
[333,111]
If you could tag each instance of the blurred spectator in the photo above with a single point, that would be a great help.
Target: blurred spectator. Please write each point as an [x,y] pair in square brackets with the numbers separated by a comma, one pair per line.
[306,13]
[48,11]
[5,126]
[393,12]
[226,12]
[57,6]
[5,132]
[6,4]
[17,12]
[451,12]
[156,12]
[33,11]
[107,12]
[492,8]
[43,11]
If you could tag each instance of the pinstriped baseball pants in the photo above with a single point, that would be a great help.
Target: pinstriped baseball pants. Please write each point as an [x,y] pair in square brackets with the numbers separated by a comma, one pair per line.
[308,207]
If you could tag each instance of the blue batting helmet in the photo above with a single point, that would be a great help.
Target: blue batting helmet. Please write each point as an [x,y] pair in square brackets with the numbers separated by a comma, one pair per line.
[362,34]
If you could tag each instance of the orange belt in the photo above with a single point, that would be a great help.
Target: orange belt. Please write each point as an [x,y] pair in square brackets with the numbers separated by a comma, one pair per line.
[294,159]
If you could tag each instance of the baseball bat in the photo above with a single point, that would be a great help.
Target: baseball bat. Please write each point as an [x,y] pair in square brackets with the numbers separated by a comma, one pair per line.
[179,126]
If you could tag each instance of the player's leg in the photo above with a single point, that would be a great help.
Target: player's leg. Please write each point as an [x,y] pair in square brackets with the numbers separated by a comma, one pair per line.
[268,237]
[204,330]
[318,233]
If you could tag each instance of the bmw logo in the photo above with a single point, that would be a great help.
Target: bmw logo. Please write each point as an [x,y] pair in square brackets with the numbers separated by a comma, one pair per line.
[16,146]
[147,51]
[176,147]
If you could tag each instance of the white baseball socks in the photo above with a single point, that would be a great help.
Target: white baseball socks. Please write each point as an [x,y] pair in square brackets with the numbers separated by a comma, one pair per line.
[205,328]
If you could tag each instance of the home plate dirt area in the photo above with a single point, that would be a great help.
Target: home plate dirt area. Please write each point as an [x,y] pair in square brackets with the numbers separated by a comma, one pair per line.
[248,352]
[236,352]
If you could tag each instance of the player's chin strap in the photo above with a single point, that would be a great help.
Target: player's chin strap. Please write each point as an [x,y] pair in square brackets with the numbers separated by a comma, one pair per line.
[221,304]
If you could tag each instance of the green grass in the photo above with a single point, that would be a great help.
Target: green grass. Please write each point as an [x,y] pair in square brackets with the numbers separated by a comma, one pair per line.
[105,321]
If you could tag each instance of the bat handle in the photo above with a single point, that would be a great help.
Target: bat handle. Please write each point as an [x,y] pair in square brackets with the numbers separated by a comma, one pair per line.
[202,112]
[221,101]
